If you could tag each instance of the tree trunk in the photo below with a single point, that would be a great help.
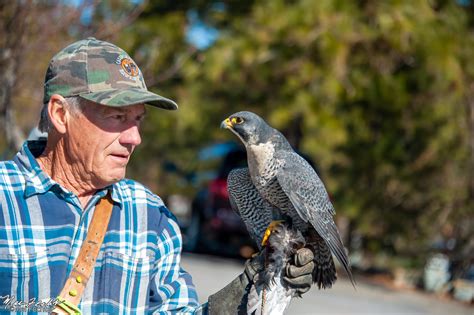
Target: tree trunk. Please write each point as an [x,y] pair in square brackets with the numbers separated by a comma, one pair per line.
[13,21]
[13,135]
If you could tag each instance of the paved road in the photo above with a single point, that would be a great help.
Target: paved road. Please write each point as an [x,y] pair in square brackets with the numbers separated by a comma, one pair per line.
[211,274]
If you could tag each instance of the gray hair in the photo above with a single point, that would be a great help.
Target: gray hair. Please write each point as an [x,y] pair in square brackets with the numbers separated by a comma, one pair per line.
[74,103]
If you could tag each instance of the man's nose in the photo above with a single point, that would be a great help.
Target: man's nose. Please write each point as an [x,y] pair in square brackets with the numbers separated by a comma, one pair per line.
[131,136]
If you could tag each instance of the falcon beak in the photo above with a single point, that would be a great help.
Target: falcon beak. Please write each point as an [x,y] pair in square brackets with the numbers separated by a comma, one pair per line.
[227,124]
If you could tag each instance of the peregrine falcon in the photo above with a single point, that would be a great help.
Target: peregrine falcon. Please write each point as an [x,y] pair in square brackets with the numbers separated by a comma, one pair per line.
[279,184]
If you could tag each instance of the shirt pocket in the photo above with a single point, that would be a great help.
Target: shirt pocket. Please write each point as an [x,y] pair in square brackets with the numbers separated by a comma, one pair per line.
[126,280]
[23,264]
[20,271]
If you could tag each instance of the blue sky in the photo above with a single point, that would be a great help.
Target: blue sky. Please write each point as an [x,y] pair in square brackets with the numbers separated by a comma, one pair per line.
[198,33]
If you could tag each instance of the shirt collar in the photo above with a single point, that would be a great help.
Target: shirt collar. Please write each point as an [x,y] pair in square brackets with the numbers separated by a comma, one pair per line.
[38,182]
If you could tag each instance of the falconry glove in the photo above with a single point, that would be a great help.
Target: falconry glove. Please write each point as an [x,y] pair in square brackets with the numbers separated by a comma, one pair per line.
[298,275]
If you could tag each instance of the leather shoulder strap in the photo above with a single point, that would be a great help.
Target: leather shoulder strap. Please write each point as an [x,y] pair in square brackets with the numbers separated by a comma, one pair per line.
[82,270]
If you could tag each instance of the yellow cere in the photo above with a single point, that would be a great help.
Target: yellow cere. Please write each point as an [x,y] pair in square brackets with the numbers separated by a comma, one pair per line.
[227,122]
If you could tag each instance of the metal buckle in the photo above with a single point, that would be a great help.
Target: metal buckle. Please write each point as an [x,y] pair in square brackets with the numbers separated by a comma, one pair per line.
[68,307]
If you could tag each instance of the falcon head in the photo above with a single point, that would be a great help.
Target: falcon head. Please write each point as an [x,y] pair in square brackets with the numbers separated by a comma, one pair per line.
[250,128]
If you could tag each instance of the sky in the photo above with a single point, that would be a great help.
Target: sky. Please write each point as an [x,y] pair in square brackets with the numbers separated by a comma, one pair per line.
[198,33]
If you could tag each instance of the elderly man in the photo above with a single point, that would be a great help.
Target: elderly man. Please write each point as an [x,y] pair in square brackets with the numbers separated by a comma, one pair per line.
[72,227]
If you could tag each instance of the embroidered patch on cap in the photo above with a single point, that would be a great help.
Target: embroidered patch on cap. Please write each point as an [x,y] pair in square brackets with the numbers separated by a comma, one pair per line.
[129,68]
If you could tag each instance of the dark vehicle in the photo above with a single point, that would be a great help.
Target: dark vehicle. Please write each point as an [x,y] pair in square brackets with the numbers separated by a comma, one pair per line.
[214,226]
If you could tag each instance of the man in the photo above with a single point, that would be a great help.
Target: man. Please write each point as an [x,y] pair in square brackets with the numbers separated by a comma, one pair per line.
[94,104]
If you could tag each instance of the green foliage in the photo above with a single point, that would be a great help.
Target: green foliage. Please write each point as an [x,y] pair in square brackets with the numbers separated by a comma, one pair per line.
[375,92]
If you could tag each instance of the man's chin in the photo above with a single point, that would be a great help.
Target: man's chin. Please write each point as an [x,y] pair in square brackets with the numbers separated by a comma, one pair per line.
[112,178]
[117,177]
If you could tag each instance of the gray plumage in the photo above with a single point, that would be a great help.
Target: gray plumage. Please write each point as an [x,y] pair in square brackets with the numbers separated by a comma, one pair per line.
[280,184]
[256,212]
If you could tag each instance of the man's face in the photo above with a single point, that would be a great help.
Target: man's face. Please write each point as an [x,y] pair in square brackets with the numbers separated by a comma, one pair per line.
[101,139]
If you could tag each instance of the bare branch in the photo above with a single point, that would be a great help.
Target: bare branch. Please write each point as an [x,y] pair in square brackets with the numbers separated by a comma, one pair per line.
[173,69]
[112,29]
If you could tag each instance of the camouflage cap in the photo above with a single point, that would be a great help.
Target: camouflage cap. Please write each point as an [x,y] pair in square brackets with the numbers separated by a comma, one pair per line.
[100,72]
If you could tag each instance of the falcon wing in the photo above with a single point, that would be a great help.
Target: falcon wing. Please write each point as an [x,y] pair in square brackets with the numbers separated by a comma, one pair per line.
[244,198]
[308,195]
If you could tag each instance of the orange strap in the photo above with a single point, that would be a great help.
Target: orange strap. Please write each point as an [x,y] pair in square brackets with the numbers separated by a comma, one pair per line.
[80,274]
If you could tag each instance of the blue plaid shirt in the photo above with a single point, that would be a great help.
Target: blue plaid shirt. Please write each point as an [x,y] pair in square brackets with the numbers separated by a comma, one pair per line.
[42,227]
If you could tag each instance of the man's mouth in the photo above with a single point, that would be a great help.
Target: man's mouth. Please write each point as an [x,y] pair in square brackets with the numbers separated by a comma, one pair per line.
[121,157]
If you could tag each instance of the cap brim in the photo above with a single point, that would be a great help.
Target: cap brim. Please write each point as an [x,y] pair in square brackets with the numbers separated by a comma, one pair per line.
[127,97]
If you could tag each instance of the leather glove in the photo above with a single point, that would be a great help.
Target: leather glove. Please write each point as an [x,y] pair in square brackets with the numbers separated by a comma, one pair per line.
[299,271]
[298,275]
[231,299]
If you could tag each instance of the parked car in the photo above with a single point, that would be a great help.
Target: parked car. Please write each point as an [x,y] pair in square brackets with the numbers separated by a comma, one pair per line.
[215,226]
[207,221]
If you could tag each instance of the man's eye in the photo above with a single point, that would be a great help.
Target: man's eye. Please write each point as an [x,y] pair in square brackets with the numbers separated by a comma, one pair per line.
[119,117]
[141,118]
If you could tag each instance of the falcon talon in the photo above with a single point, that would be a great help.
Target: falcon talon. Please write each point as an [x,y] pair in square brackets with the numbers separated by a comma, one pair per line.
[272,227]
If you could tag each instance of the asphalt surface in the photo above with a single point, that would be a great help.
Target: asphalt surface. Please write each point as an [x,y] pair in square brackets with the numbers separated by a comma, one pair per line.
[211,273]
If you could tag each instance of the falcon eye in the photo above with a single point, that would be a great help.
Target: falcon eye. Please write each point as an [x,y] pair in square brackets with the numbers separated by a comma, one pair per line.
[237,120]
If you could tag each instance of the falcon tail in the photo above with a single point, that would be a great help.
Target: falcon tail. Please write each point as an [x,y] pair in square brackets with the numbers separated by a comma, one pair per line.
[324,274]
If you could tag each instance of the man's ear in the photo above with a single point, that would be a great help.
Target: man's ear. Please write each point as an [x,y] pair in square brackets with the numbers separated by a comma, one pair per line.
[58,113]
